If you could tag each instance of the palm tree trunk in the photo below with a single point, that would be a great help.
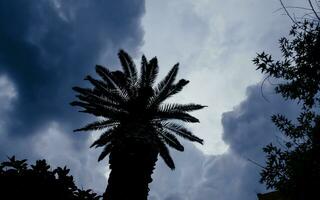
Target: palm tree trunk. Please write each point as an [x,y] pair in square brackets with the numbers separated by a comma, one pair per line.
[131,169]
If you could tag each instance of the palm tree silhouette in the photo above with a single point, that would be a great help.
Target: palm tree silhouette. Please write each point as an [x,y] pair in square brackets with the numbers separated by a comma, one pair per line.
[138,125]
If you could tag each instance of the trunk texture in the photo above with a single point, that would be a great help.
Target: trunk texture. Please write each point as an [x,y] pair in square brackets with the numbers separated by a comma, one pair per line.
[131,168]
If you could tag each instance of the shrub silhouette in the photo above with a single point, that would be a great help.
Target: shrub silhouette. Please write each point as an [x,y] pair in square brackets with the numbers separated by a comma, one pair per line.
[138,125]
[18,181]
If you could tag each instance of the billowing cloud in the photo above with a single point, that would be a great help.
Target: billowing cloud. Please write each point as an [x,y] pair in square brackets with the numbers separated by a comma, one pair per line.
[215,51]
[214,41]
[248,127]
[235,173]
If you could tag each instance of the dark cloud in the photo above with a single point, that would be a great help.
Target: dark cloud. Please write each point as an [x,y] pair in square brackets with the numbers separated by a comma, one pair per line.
[48,46]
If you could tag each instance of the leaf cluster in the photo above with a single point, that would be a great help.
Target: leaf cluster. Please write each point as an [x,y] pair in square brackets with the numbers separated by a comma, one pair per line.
[299,67]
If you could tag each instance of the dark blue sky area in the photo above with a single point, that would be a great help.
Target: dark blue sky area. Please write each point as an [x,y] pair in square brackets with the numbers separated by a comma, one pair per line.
[46,48]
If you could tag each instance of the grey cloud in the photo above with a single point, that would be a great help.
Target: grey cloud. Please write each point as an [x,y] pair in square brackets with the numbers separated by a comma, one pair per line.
[229,176]
[226,177]
[215,51]
[248,127]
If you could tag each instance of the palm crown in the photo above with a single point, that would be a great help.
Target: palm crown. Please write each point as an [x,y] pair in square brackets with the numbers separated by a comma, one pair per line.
[134,110]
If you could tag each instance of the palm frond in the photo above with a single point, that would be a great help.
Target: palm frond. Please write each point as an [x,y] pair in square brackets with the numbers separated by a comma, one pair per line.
[121,80]
[105,74]
[109,77]
[80,104]
[117,95]
[181,107]
[128,66]
[126,85]
[111,100]
[91,97]
[152,70]
[84,91]
[98,125]
[88,108]
[175,115]
[93,112]
[164,86]
[176,88]
[168,79]
[149,71]
[171,140]
[181,131]
[143,72]
[93,102]
[106,150]
[101,86]
[165,154]
[105,111]
[104,138]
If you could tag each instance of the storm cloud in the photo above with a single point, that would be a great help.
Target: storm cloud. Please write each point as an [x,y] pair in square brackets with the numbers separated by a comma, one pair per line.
[46,47]
[49,46]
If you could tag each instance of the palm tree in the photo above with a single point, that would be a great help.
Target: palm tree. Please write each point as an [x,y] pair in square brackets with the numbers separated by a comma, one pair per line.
[138,125]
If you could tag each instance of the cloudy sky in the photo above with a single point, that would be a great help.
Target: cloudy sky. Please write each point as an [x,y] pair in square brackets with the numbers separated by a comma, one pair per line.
[48,46]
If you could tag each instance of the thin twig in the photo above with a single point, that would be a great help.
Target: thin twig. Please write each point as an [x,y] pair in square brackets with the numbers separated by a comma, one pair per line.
[288,14]
[307,14]
[272,83]
[318,4]
[261,88]
[311,5]
[294,7]
[278,141]
[254,162]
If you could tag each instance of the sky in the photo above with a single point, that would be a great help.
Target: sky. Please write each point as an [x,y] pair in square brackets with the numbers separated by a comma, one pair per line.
[48,46]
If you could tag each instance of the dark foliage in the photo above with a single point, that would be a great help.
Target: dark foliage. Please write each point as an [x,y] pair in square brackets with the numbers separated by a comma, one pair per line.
[299,67]
[137,124]
[20,181]
[293,168]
